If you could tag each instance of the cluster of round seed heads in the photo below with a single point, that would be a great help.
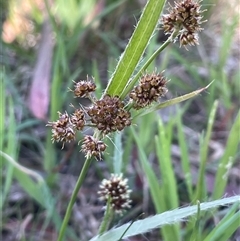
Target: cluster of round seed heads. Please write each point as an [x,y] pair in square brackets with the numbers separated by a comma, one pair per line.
[117,190]
[92,147]
[83,88]
[108,114]
[186,18]
[151,87]
[62,129]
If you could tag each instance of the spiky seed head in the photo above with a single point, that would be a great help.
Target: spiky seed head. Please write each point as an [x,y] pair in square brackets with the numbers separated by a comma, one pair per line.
[109,115]
[93,147]
[78,119]
[62,129]
[84,87]
[150,88]
[185,17]
[116,189]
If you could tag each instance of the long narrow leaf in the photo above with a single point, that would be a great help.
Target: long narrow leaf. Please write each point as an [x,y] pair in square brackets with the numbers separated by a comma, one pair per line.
[11,148]
[228,156]
[224,226]
[151,176]
[185,162]
[201,186]
[166,218]
[136,47]
[169,184]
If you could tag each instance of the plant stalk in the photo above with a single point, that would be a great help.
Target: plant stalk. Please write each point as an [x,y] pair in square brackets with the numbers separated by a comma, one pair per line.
[108,216]
[73,198]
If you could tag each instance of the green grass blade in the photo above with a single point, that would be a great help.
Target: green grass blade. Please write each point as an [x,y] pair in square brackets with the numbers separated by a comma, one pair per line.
[204,143]
[163,148]
[2,108]
[118,153]
[169,185]
[11,148]
[146,134]
[185,162]
[225,225]
[36,189]
[228,36]
[229,227]
[151,177]
[159,220]
[136,47]
[228,158]
[196,230]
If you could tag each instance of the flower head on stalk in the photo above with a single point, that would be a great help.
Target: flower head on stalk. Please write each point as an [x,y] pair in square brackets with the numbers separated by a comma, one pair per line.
[109,115]
[63,129]
[93,147]
[116,189]
[185,18]
[150,88]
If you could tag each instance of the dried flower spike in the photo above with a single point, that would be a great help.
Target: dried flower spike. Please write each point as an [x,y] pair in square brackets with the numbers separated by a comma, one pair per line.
[150,88]
[83,88]
[108,114]
[186,19]
[92,147]
[62,129]
[117,190]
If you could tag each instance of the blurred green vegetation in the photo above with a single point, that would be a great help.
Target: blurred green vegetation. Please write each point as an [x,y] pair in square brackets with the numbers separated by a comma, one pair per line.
[88,38]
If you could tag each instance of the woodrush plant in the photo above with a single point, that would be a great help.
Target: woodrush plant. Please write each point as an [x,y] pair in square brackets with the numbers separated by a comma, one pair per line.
[124,99]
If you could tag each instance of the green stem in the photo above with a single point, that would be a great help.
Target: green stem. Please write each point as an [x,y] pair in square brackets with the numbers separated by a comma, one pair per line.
[73,198]
[108,216]
[131,84]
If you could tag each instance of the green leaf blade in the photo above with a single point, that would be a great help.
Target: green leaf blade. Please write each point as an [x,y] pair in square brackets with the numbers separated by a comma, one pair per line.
[135,48]
[166,218]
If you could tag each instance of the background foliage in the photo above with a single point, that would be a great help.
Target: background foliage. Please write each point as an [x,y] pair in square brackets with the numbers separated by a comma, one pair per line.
[177,155]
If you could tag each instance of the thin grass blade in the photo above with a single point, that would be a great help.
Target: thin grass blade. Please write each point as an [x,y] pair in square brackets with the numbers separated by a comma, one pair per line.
[135,48]
[159,220]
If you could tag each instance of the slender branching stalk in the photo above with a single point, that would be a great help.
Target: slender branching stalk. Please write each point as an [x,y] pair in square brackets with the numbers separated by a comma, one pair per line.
[108,217]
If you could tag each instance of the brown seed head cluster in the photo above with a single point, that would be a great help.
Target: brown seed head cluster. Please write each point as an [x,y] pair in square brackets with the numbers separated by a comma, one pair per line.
[117,190]
[108,114]
[83,88]
[78,119]
[150,88]
[186,18]
[92,147]
[62,129]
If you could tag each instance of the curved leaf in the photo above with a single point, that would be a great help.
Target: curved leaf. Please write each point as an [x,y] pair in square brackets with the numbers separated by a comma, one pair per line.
[166,218]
